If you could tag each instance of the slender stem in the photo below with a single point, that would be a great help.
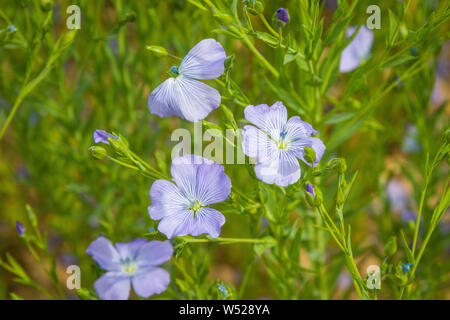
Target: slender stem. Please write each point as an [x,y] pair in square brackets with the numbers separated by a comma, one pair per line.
[221,240]
[272,31]
[260,57]
[13,111]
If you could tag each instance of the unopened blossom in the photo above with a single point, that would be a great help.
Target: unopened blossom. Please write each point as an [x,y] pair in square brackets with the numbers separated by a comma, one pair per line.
[182,205]
[310,189]
[282,15]
[357,50]
[277,143]
[129,264]
[184,96]
[102,136]
[20,229]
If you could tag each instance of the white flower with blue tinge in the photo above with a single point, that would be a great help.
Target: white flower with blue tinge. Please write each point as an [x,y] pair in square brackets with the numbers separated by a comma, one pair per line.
[129,263]
[182,95]
[277,143]
[357,50]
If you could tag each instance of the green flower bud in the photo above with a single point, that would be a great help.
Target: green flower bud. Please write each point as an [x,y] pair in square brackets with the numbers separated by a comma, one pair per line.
[309,154]
[98,152]
[337,164]
[31,216]
[229,116]
[315,198]
[258,8]
[157,50]
[391,247]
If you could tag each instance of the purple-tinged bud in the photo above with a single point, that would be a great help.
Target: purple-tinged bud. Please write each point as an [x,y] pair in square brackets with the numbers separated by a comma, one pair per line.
[102,136]
[20,229]
[310,189]
[283,15]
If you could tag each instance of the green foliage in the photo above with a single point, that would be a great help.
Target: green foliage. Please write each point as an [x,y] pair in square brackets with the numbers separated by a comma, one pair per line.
[58,85]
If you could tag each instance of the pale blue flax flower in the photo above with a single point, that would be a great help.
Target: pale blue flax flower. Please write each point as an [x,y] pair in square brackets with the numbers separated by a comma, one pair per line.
[277,143]
[182,206]
[132,263]
[184,96]
[102,136]
[357,50]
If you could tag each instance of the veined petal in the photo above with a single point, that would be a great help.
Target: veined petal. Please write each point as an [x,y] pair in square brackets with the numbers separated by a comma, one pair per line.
[296,129]
[298,147]
[102,136]
[154,253]
[271,120]
[105,254]
[113,286]
[205,61]
[165,198]
[256,143]
[162,101]
[129,250]
[283,170]
[357,50]
[176,224]
[151,281]
[184,173]
[195,99]
[183,97]
[212,184]
[206,220]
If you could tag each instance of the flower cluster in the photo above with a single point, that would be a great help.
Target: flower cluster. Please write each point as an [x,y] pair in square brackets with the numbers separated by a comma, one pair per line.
[183,205]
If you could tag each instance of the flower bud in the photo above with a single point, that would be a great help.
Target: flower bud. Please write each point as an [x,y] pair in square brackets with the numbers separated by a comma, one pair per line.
[309,154]
[20,229]
[337,164]
[313,196]
[222,289]
[391,247]
[283,15]
[310,189]
[98,152]
[157,50]
[340,198]
[102,136]
[256,8]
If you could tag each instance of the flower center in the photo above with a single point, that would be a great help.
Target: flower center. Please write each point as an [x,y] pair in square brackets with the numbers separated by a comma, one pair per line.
[195,206]
[282,143]
[174,71]
[129,266]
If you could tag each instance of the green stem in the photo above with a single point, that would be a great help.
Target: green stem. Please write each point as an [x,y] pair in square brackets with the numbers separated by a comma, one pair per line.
[272,31]
[221,240]
[260,57]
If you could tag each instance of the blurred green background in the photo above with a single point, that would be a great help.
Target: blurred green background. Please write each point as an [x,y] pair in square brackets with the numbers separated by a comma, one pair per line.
[102,81]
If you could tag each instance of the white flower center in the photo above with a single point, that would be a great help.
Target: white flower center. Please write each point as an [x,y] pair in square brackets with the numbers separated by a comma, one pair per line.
[129,266]
[195,206]
[282,142]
